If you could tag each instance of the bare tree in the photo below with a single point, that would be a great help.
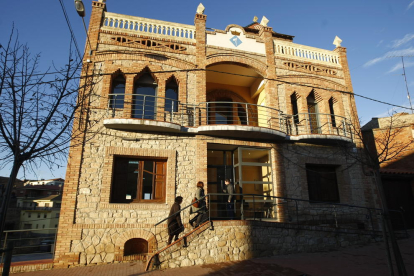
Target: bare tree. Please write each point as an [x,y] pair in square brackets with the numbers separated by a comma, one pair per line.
[382,147]
[37,110]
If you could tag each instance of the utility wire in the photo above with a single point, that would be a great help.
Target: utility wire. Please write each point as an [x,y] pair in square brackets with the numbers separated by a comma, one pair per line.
[257,77]
[70,28]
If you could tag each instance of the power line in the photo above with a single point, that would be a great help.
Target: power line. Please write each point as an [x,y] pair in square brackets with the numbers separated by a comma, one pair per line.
[229,73]
[70,28]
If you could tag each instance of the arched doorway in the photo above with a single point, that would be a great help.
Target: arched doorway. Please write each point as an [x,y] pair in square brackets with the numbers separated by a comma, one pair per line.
[135,246]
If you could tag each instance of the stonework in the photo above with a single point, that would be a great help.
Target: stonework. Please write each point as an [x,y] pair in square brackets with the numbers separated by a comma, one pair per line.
[268,96]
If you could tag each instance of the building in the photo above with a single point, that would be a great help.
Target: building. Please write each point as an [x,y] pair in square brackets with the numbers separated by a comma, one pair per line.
[49,182]
[41,213]
[394,135]
[175,104]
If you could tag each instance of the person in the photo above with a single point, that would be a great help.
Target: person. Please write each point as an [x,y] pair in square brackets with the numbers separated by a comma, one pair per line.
[175,226]
[229,189]
[201,210]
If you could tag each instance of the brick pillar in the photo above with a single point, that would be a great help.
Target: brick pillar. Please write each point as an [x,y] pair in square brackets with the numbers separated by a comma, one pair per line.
[200,25]
[98,8]
[66,231]
[129,91]
[272,99]
[343,60]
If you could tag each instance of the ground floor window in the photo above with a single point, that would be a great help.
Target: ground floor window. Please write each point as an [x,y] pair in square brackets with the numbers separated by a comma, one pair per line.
[138,180]
[322,183]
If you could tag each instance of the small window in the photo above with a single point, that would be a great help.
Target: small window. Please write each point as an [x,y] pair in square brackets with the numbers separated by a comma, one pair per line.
[38,215]
[29,215]
[43,226]
[116,99]
[44,215]
[56,225]
[332,111]
[57,215]
[322,183]
[171,96]
[37,226]
[294,102]
[138,180]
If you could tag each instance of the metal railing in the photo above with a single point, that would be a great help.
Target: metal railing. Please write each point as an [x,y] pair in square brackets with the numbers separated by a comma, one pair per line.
[31,242]
[225,113]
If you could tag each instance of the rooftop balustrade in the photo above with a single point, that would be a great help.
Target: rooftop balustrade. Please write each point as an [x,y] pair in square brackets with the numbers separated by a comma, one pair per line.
[228,119]
[148,26]
[298,51]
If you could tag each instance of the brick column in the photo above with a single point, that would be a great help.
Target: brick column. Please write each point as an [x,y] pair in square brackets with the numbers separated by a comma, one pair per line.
[98,8]
[272,99]
[200,25]
[66,232]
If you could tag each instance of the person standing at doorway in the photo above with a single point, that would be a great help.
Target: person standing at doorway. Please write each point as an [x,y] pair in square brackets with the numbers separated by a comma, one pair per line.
[175,226]
[201,210]
[229,189]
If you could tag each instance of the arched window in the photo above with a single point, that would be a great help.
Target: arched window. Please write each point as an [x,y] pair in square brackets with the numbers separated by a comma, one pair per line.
[144,98]
[331,110]
[116,98]
[171,96]
[294,103]
[313,113]
[221,111]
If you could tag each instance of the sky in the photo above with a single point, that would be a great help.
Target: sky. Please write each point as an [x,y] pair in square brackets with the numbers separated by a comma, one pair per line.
[376,34]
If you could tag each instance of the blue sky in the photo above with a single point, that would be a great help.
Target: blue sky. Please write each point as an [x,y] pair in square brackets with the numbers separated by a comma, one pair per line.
[373,31]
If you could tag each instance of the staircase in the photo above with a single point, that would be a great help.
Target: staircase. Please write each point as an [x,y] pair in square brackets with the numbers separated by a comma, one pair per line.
[154,260]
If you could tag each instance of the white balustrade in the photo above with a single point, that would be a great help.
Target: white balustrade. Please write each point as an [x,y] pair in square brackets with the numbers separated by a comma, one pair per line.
[149,26]
[306,52]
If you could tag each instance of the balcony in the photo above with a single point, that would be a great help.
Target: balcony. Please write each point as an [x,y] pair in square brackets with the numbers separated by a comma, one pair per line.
[136,112]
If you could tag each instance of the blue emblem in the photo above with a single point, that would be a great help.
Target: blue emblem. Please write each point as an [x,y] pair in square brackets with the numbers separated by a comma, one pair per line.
[236,41]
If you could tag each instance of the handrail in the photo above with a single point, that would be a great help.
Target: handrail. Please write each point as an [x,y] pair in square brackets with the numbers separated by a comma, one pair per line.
[182,209]
[149,107]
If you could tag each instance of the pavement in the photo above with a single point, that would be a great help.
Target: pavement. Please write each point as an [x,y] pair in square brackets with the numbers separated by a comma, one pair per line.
[356,261]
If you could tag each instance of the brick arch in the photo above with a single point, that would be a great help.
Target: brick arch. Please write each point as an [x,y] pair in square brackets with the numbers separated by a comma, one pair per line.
[131,234]
[316,95]
[235,26]
[237,59]
[109,76]
[148,58]
[216,93]
[313,81]
[150,68]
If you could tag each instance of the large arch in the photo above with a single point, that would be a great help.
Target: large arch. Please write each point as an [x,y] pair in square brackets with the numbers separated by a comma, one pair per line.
[237,59]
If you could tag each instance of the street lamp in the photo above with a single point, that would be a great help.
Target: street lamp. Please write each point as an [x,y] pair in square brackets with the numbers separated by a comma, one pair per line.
[80,8]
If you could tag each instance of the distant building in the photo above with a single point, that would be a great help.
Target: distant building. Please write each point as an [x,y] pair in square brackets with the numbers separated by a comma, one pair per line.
[41,213]
[397,174]
[13,213]
[48,182]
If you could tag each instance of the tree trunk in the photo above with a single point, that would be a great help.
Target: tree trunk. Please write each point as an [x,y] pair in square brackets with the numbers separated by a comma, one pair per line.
[6,196]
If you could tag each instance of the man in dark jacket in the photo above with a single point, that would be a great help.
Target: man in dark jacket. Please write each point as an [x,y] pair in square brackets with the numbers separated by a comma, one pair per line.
[175,226]
[230,200]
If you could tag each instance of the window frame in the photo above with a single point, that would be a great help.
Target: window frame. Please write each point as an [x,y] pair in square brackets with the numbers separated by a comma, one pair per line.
[158,163]
[317,181]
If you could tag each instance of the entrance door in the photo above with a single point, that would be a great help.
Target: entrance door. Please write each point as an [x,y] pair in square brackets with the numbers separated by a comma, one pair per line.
[219,168]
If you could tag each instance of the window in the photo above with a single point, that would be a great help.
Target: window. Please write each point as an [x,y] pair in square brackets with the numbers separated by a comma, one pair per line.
[29,215]
[313,113]
[144,98]
[171,96]
[331,110]
[37,226]
[322,183]
[138,180]
[44,215]
[294,102]
[38,215]
[43,226]
[57,215]
[116,99]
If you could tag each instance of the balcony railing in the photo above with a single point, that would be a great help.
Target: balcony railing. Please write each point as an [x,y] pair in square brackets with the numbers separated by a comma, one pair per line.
[148,26]
[306,52]
[243,115]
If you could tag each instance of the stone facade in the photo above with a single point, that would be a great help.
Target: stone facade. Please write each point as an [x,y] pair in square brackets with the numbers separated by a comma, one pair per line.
[267,95]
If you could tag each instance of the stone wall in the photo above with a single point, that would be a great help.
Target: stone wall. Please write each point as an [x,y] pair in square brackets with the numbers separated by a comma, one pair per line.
[236,241]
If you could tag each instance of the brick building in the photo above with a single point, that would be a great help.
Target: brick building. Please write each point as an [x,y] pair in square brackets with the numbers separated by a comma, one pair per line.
[175,104]
[397,173]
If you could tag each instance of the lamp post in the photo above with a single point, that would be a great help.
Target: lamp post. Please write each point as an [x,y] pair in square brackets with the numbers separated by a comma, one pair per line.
[80,9]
